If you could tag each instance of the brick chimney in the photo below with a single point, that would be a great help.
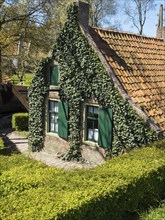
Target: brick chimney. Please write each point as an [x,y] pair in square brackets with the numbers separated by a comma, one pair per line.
[161,28]
[83,14]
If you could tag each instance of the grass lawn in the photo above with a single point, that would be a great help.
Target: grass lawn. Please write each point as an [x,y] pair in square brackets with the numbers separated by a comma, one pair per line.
[155,213]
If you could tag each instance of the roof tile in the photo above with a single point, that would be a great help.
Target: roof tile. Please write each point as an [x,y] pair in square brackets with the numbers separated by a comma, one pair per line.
[139,64]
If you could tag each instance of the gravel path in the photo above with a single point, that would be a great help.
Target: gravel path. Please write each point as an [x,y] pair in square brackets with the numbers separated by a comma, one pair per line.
[20,144]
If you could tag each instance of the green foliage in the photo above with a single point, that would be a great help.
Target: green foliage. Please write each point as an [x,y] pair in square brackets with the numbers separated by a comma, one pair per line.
[27,79]
[20,121]
[155,213]
[37,92]
[1,143]
[83,77]
[21,23]
[125,184]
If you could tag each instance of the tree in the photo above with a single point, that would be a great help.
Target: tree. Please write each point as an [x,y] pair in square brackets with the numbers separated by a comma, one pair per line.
[37,23]
[23,21]
[137,11]
[100,10]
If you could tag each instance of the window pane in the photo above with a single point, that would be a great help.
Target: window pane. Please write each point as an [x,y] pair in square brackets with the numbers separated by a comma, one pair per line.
[56,127]
[95,124]
[96,135]
[89,123]
[96,110]
[52,127]
[90,134]
[92,123]
[53,116]
[56,119]
[90,109]
[53,122]
[53,106]
[56,107]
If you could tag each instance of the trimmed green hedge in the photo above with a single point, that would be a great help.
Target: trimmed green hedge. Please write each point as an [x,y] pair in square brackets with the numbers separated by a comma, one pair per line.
[20,121]
[123,185]
[155,213]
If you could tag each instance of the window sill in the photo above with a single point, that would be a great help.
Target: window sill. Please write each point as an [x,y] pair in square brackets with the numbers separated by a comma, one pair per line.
[93,144]
[54,87]
[52,134]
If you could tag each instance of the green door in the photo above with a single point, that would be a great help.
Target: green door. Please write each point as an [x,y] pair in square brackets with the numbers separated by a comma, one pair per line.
[105,127]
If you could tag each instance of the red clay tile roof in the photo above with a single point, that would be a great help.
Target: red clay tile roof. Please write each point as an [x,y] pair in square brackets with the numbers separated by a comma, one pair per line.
[139,64]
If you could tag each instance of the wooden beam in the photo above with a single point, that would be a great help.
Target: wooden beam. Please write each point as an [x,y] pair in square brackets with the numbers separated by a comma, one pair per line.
[17,93]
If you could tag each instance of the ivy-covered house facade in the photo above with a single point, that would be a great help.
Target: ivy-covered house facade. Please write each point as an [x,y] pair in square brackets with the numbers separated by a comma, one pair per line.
[100,87]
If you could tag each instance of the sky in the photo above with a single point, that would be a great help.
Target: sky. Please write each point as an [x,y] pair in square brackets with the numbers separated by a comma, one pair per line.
[151,22]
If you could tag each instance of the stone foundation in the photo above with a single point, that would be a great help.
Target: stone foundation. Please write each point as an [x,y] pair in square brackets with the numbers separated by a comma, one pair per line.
[92,154]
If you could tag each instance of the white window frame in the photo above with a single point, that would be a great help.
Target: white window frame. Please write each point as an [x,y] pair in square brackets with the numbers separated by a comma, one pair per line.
[85,127]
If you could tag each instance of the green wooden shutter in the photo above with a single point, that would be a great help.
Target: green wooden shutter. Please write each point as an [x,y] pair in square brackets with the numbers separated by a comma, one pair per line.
[105,127]
[54,75]
[63,120]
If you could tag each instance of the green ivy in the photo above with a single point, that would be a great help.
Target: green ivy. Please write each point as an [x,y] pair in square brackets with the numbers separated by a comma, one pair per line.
[82,76]
[37,93]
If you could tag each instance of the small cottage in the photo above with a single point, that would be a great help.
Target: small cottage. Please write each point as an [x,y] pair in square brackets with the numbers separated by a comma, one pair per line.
[101,88]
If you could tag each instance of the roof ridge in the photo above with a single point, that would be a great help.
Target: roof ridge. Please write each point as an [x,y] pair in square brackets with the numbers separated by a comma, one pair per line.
[128,33]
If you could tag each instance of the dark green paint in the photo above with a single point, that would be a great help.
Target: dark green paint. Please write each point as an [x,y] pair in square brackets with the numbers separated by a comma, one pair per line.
[63,120]
[105,127]
[54,75]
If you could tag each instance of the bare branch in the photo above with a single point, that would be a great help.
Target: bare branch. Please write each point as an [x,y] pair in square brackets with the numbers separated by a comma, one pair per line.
[137,10]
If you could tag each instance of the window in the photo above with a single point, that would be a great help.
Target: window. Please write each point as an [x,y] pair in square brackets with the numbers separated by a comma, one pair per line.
[92,123]
[53,116]
[58,118]
[99,125]
[54,75]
